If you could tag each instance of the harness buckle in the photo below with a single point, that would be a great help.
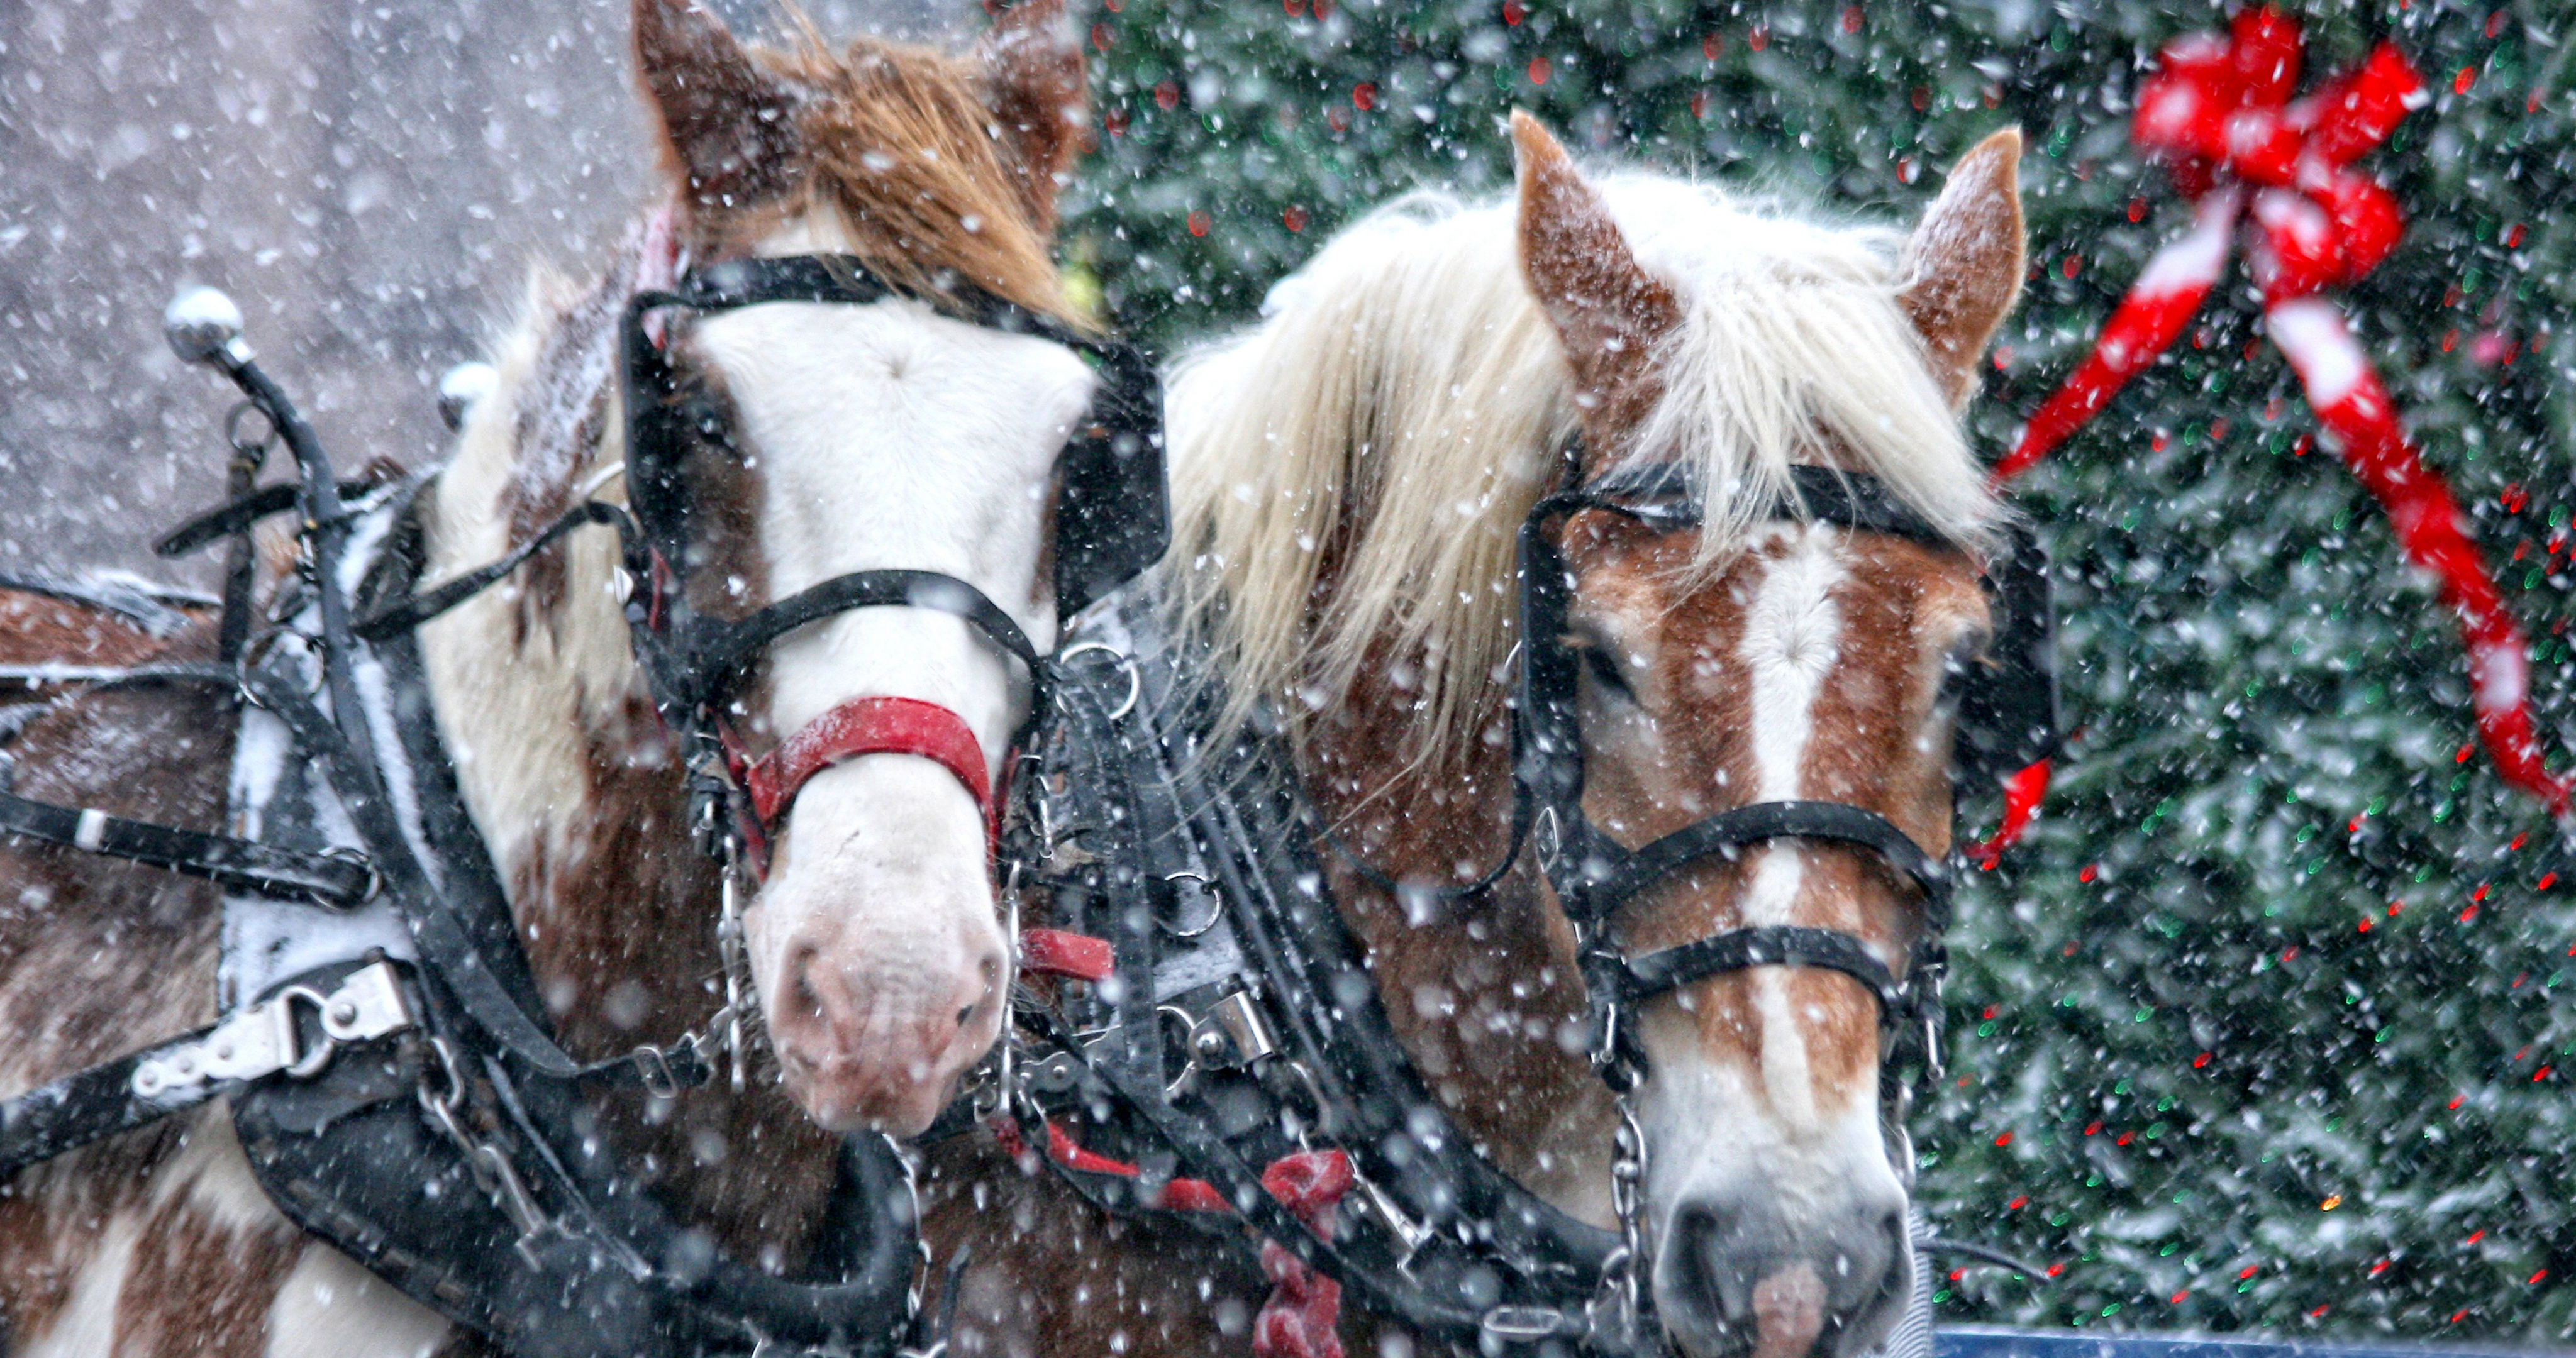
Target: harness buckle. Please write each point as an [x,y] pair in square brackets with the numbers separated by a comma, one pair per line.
[266,1039]
[653,1066]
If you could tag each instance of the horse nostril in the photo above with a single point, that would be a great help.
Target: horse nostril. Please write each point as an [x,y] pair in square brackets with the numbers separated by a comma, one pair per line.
[802,999]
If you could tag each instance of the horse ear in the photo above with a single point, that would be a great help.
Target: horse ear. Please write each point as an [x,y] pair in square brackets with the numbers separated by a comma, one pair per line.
[727,125]
[1964,264]
[1034,84]
[1607,310]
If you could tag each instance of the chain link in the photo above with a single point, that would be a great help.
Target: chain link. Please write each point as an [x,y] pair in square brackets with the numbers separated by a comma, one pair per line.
[1620,1275]
[735,960]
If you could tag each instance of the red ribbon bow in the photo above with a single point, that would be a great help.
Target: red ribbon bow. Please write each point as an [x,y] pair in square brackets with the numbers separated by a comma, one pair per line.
[2219,113]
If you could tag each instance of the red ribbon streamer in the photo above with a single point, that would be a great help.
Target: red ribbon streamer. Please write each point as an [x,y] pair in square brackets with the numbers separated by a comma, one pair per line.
[2220,115]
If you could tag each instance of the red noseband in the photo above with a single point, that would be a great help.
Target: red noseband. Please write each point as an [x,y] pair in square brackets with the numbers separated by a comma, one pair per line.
[863,726]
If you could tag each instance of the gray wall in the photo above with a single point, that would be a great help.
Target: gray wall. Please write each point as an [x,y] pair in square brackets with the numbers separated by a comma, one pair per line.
[371,181]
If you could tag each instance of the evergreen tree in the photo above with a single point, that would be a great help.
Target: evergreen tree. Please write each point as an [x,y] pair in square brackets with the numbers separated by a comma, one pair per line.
[2259,1028]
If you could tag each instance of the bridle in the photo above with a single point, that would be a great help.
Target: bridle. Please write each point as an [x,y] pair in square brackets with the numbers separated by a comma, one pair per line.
[1111,497]
[1594,875]
[1111,521]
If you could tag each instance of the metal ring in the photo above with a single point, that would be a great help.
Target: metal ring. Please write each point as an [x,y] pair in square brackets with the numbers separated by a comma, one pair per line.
[375,875]
[1216,905]
[233,435]
[1189,1060]
[306,1064]
[1548,836]
[1135,677]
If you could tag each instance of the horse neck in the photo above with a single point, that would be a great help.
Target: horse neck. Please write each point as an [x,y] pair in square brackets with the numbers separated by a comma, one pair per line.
[1482,994]
[575,784]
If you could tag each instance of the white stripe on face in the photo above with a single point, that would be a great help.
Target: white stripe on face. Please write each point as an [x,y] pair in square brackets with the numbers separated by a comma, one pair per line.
[1792,639]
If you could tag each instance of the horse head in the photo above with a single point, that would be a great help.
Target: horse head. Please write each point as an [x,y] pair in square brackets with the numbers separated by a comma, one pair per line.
[800,441]
[859,437]
[1752,657]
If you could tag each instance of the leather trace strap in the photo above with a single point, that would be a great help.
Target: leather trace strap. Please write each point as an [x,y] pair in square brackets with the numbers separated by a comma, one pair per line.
[339,881]
[880,724]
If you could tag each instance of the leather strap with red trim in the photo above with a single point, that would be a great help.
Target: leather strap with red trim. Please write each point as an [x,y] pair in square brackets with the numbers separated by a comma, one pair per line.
[878,724]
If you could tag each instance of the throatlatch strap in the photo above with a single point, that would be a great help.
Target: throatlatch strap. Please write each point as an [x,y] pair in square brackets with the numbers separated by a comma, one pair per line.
[880,724]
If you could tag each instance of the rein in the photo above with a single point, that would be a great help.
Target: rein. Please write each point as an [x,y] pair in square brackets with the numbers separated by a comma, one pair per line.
[422,1049]
[1264,1002]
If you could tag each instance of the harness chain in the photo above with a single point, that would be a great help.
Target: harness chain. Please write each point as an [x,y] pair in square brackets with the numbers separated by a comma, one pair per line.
[599,1269]
[1259,834]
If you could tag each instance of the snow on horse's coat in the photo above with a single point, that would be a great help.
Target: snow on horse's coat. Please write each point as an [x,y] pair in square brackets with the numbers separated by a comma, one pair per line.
[1348,480]
[885,435]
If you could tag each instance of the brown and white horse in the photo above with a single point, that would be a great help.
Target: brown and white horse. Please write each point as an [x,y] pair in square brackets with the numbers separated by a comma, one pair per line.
[1348,479]
[862,437]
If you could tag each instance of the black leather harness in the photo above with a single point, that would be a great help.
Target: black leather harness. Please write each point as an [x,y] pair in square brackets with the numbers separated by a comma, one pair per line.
[1244,1024]
[405,1102]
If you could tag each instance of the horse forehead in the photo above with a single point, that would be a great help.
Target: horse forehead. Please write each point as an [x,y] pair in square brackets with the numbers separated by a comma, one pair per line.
[819,385]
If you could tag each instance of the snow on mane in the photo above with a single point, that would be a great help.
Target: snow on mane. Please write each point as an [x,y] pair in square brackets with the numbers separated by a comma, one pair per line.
[1404,402]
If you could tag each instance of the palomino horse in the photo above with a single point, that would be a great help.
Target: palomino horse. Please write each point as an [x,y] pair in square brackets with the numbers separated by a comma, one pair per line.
[1349,479]
[856,437]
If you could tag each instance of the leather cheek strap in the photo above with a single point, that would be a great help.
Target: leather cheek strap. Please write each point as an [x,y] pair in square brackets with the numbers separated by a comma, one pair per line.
[873,725]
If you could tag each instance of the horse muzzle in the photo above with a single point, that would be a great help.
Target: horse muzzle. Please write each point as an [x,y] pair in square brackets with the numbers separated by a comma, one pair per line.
[1741,1276]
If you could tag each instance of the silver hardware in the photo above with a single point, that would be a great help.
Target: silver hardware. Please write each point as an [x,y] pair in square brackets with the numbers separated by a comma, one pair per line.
[1548,837]
[375,878]
[489,1164]
[1188,1022]
[1206,889]
[1135,677]
[264,1039]
[1244,1026]
[598,479]
[1523,1324]
[1058,1074]
[204,326]
[1380,1204]
[736,963]
[1618,1295]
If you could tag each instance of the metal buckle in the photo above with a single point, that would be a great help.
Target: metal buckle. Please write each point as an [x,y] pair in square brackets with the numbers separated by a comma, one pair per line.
[264,1039]
[375,877]
[653,1066]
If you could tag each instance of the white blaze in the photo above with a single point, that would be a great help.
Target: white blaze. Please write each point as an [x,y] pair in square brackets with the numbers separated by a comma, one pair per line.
[1792,640]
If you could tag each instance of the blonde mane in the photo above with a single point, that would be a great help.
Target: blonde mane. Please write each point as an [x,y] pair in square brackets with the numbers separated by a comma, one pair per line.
[1348,475]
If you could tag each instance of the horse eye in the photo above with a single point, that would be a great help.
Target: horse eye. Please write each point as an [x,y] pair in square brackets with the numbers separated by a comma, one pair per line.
[1607,673]
[1962,658]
